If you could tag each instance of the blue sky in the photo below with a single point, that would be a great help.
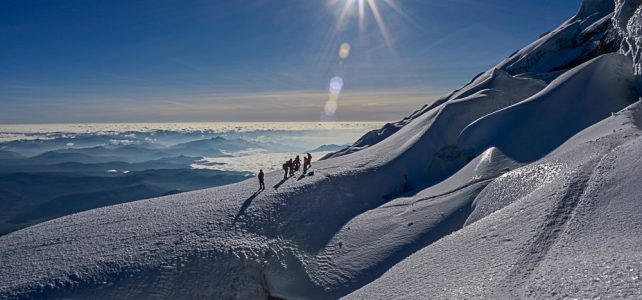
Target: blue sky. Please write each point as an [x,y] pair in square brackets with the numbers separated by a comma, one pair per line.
[252,60]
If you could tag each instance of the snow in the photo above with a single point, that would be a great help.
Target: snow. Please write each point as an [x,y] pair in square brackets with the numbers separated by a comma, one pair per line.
[628,21]
[575,236]
[579,38]
[251,160]
[493,84]
[582,96]
[120,247]
[586,35]
[524,183]
[375,240]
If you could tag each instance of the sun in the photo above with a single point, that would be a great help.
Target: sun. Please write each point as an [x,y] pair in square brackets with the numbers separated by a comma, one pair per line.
[347,9]
[362,10]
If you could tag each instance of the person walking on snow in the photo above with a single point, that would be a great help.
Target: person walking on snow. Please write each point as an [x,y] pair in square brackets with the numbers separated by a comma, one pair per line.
[291,167]
[261,182]
[285,169]
[297,164]
[309,160]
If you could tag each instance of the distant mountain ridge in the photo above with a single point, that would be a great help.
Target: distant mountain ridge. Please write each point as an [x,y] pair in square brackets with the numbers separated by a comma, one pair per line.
[331,147]
[67,179]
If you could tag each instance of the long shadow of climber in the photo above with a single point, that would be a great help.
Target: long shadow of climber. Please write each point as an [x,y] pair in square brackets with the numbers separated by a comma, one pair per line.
[245,205]
[278,185]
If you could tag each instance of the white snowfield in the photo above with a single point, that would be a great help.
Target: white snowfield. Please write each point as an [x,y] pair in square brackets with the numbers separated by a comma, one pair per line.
[514,186]
[575,100]
[567,226]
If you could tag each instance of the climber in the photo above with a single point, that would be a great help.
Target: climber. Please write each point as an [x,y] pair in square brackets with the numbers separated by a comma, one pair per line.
[309,156]
[261,182]
[291,167]
[297,164]
[285,168]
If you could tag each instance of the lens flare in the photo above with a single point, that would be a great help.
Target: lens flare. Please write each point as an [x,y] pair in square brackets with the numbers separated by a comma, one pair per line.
[336,85]
[361,10]
[332,104]
[330,108]
[344,50]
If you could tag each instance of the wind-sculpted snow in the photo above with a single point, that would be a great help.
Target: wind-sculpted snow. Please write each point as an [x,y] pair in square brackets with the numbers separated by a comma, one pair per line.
[377,239]
[500,192]
[575,236]
[588,34]
[585,36]
[257,243]
[574,101]
[512,88]
[128,246]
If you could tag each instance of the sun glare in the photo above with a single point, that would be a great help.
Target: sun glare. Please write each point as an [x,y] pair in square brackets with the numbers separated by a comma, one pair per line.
[360,8]
[360,12]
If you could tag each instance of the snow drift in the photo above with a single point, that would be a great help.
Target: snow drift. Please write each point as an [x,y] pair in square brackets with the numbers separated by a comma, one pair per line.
[575,100]
[567,226]
[588,34]
[523,179]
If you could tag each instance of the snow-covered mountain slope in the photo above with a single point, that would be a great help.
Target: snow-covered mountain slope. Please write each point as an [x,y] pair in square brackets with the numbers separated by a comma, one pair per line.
[575,100]
[588,34]
[372,242]
[567,226]
[480,195]
[514,88]
[280,240]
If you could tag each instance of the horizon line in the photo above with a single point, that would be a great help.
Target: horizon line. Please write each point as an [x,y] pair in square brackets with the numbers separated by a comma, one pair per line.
[200,122]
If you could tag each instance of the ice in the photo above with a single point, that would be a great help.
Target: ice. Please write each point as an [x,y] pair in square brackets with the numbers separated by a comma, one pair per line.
[577,99]
[575,236]
[628,21]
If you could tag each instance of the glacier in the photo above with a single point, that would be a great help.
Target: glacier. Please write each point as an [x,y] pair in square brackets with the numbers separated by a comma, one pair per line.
[523,183]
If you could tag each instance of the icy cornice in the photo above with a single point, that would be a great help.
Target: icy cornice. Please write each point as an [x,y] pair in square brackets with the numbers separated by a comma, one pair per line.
[583,37]
[628,21]
[593,10]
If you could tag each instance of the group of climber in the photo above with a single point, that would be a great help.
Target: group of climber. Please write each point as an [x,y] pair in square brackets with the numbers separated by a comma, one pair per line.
[289,167]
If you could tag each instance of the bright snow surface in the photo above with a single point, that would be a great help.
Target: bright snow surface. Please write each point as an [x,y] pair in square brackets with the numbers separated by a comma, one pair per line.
[507,188]
[566,226]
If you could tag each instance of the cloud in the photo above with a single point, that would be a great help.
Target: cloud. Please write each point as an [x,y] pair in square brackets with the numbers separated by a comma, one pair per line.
[295,105]
[250,161]
[120,142]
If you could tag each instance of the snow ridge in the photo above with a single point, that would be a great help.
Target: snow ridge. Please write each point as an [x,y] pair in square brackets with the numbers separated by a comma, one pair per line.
[581,91]
[587,35]
[570,237]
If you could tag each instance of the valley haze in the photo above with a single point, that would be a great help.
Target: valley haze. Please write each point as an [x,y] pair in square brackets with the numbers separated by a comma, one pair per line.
[51,170]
